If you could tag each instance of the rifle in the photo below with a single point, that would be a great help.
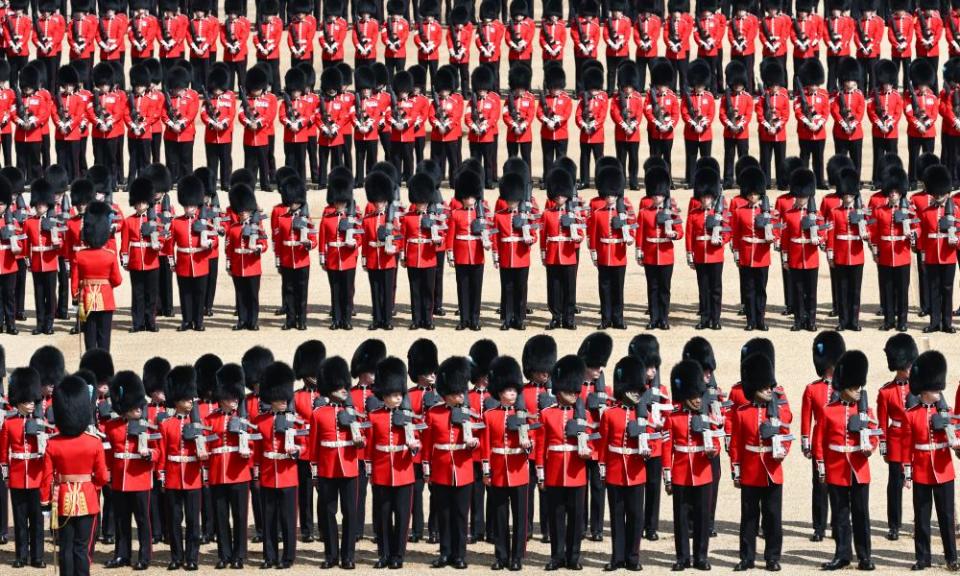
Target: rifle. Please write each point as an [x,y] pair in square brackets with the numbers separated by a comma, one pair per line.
[944,420]
[644,37]
[665,215]
[22,112]
[211,109]
[547,109]
[438,106]
[172,111]
[577,428]
[40,35]
[845,112]
[301,222]
[192,30]
[948,222]
[140,430]
[205,224]
[770,429]
[102,117]
[434,220]
[897,34]
[104,33]
[475,111]
[462,416]
[284,426]
[685,92]
[240,425]
[361,37]
[65,119]
[512,108]
[901,216]
[673,38]
[522,221]
[739,42]
[714,223]
[36,426]
[769,114]
[834,37]
[478,227]
[347,418]
[804,103]
[12,31]
[625,113]
[732,113]
[802,39]
[658,113]
[621,222]
[327,36]
[612,30]
[866,43]
[148,229]
[392,39]
[925,31]
[701,423]
[515,36]
[137,34]
[918,111]
[771,39]
[166,212]
[857,217]
[588,119]
[292,115]
[78,42]
[251,228]
[765,220]
[22,211]
[386,232]
[860,424]
[455,40]
[252,115]
[547,36]
[8,233]
[810,220]
[580,32]
[348,224]
[228,34]
[878,105]
[569,220]
[484,39]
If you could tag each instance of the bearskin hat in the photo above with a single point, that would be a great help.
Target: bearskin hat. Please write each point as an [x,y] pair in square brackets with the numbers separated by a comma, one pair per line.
[811,73]
[242,199]
[593,79]
[236,6]
[803,183]
[482,79]
[98,361]
[759,346]
[937,180]
[293,191]
[756,373]
[554,77]
[230,384]
[48,362]
[453,376]
[41,192]
[772,72]
[30,78]
[178,78]
[155,372]
[828,346]
[254,363]
[333,374]
[504,373]
[849,70]
[277,383]
[206,368]
[307,359]
[294,80]
[420,188]
[378,186]
[512,186]
[460,15]
[24,386]
[835,164]
[96,224]
[699,73]
[469,184]
[429,8]
[610,181]
[6,191]
[595,349]
[922,73]
[82,192]
[661,72]
[190,191]
[181,384]
[707,182]
[539,354]
[419,75]
[519,77]
[331,80]
[752,180]
[4,71]
[735,74]
[256,79]
[928,373]
[71,407]
[444,80]
[365,80]
[851,371]
[67,75]
[422,359]
[366,356]
[390,377]
[894,179]
[700,350]
[646,349]
[559,183]
[686,381]
[657,181]
[568,374]
[629,375]
[102,74]
[159,175]
[886,72]
[339,189]
[901,351]
[628,74]
[127,392]
[481,354]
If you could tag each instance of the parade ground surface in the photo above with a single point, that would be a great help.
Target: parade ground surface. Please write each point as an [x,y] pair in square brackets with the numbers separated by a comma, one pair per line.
[794,367]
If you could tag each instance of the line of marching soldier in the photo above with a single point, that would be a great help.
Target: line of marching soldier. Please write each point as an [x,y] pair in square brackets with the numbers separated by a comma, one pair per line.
[548,423]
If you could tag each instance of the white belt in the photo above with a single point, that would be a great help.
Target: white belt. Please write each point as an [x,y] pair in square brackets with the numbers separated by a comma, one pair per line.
[893,238]
[511,239]
[930,447]
[659,240]
[419,241]
[292,243]
[612,240]
[702,238]
[850,237]
[391,448]
[623,450]
[938,235]
[802,240]
[690,449]
[25,455]
[450,447]
[127,456]
[752,240]
[277,456]
[376,244]
[139,244]
[845,449]
[181,459]
[245,251]
[559,239]
[340,245]
[562,448]
[335,443]
[895,424]
[466,237]
[43,248]
[759,449]
[225,449]
[507,451]
[190,249]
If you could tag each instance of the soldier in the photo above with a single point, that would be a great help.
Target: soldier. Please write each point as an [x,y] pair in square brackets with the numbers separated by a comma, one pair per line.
[363,366]
[884,109]
[392,444]
[938,244]
[332,33]
[402,122]
[553,112]
[519,112]
[736,108]
[811,109]
[658,227]
[335,438]
[686,465]
[480,399]
[538,357]
[760,427]
[380,247]
[622,452]
[800,242]
[22,447]
[646,34]
[254,361]
[921,110]
[927,442]
[662,111]
[743,30]
[429,37]
[706,234]
[31,122]
[482,119]
[466,240]
[697,110]
[754,231]
[847,109]
[553,33]
[459,39]
[306,367]
[928,30]
[847,231]
[366,30]
[338,247]
[891,243]
[93,277]
[609,230]
[626,111]
[422,365]
[595,352]
[294,237]
[709,29]
[257,116]
[69,122]
[868,40]
[394,33]
[368,117]
[43,242]
[132,469]
[296,114]
[677,31]
[773,111]
[11,249]
[192,240]
[421,241]
[560,238]
[516,232]
[246,240]
[179,115]
[841,456]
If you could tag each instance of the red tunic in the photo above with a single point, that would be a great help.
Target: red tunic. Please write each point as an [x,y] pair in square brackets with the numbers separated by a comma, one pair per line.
[557,460]
[751,245]
[557,111]
[654,245]
[93,276]
[607,245]
[925,449]
[844,242]
[192,258]
[332,449]
[799,247]
[79,456]
[392,460]
[504,459]
[838,449]
[277,468]
[446,453]
[891,405]
[129,471]
[699,240]
[838,35]
[684,451]
[339,249]
[617,451]
[244,255]
[226,464]
[180,466]
[889,241]
[21,454]
[752,454]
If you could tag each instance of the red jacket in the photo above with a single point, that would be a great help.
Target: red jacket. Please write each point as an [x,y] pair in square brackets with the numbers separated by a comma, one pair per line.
[398,28]
[560,244]
[300,35]
[819,102]
[626,111]
[807,44]
[525,107]
[12,249]
[684,451]
[406,109]
[799,247]
[655,247]
[617,451]
[277,467]
[298,120]
[428,39]
[465,246]
[935,244]
[751,245]
[446,123]
[504,460]
[243,256]
[23,30]
[21,454]
[891,416]
[888,241]
[464,36]
[392,461]
[872,29]
[192,259]
[417,248]
[40,246]
[557,460]
[953,41]
[37,117]
[855,105]
[844,242]
[925,449]
[779,27]
[714,26]
[365,34]
[80,455]
[263,115]
[891,105]
[235,35]
[185,105]
[750,453]
[447,455]
[136,251]
[173,35]
[742,35]
[374,250]
[699,241]
[226,464]
[558,108]
[646,33]
[778,101]
[816,395]
[670,108]
[553,39]
[900,35]
[93,276]
[607,245]
[928,30]
[180,464]
[488,118]
[113,45]
[267,38]
[700,118]
[129,471]
[292,246]
[838,449]
[332,449]
[337,250]
[49,38]
[147,28]
[676,36]
[219,125]
[839,32]
[509,248]
[917,125]
[82,36]
[736,108]
[331,35]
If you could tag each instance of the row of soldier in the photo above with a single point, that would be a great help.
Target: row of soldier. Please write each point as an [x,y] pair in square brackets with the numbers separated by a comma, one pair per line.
[487,434]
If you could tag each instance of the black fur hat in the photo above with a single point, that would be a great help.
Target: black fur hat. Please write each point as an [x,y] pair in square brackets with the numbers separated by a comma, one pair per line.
[4,71]
[379,187]
[420,188]
[559,182]
[190,191]
[453,376]
[366,356]
[254,363]
[646,349]
[752,180]
[937,180]
[333,375]
[242,198]
[772,72]
[849,70]
[552,8]
[294,81]
[835,164]
[419,75]
[141,191]
[364,78]
[160,176]
[803,183]
[481,354]
[58,177]
[922,73]
[469,184]
[155,372]
[700,351]
[482,79]
[686,381]
[460,15]
[256,79]
[24,386]
[96,224]
[230,384]
[699,73]
[179,78]
[851,371]
[629,375]
[756,373]
[568,374]
[98,361]
[707,182]
[445,79]
[339,189]
[48,362]
[828,347]
[735,74]
[593,79]
[512,186]
[307,359]
[657,181]
[422,358]
[82,192]
[661,72]
[6,191]
[277,383]
[595,349]
[391,377]
[71,407]
[519,77]
[504,373]
[181,384]
[610,181]
[126,392]
[41,192]
[489,10]
[759,346]
[206,368]
[539,354]
[102,74]
[30,78]
[429,8]
[886,72]
[901,351]
[293,191]
[894,179]
[554,77]
[929,373]
[848,182]
[811,73]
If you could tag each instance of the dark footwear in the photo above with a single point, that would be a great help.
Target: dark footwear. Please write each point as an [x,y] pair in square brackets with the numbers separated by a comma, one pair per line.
[461,326]
[817,537]
[741,566]
[117,563]
[396,564]
[39,564]
[266,565]
[516,566]
[199,328]
[37,331]
[574,566]
[220,565]
[773,566]
[866,565]
[553,325]
[633,566]
[953,566]
[700,326]
[835,564]
[553,566]
[459,564]
[348,565]
[497,565]
[929,329]
[17,564]
[140,566]
[702,565]
[680,565]
[380,564]
[918,566]
[238,326]
[612,566]
[949,330]
[191,567]
[893,535]
[183,328]
[652,536]
[328,564]
[439,562]
[596,537]
[236,565]
[173,565]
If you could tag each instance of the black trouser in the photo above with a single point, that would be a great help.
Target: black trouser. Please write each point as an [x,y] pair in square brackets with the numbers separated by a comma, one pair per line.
[849,281]
[105,154]
[330,492]
[847,501]
[651,512]
[394,65]
[819,502]
[207,517]
[22,266]
[295,289]
[273,73]
[754,502]
[45,298]
[438,286]
[949,150]
[417,514]
[237,72]
[6,142]
[255,160]
[305,498]
[401,155]
[715,83]
[136,506]
[552,151]
[108,515]
[366,151]
[495,68]
[96,330]
[486,152]
[714,490]
[534,491]
[382,283]
[691,505]
[628,156]
[220,161]
[588,150]
[868,78]
[597,503]
[513,295]
[248,300]
[814,149]
[75,542]
[480,519]
[63,288]
[453,505]
[924,285]
[28,159]
[925,497]
[833,63]
[915,147]
[279,521]
[851,148]
[566,506]
[295,156]
[710,284]
[179,158]
[469,292]
[662,149]
[804,288]
[881,146]
[341,294]
[561,292]
[312,159]
[448,155]
[68,156]
[421,294]
[230,501]
[193,291]
[419,144]
[894,289]
[776,152]
[733,148]
[256,504]
[940,280]
[695,149]
[895,482]
[521,149]
[754,283]
[658,291]
[17,63]
[165,294]
[184,504]
[139,149]
[362,482]
[8,319]
[391,505]
[678,76]
[610,284]
[507,503]
[626,523]
[27,524]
